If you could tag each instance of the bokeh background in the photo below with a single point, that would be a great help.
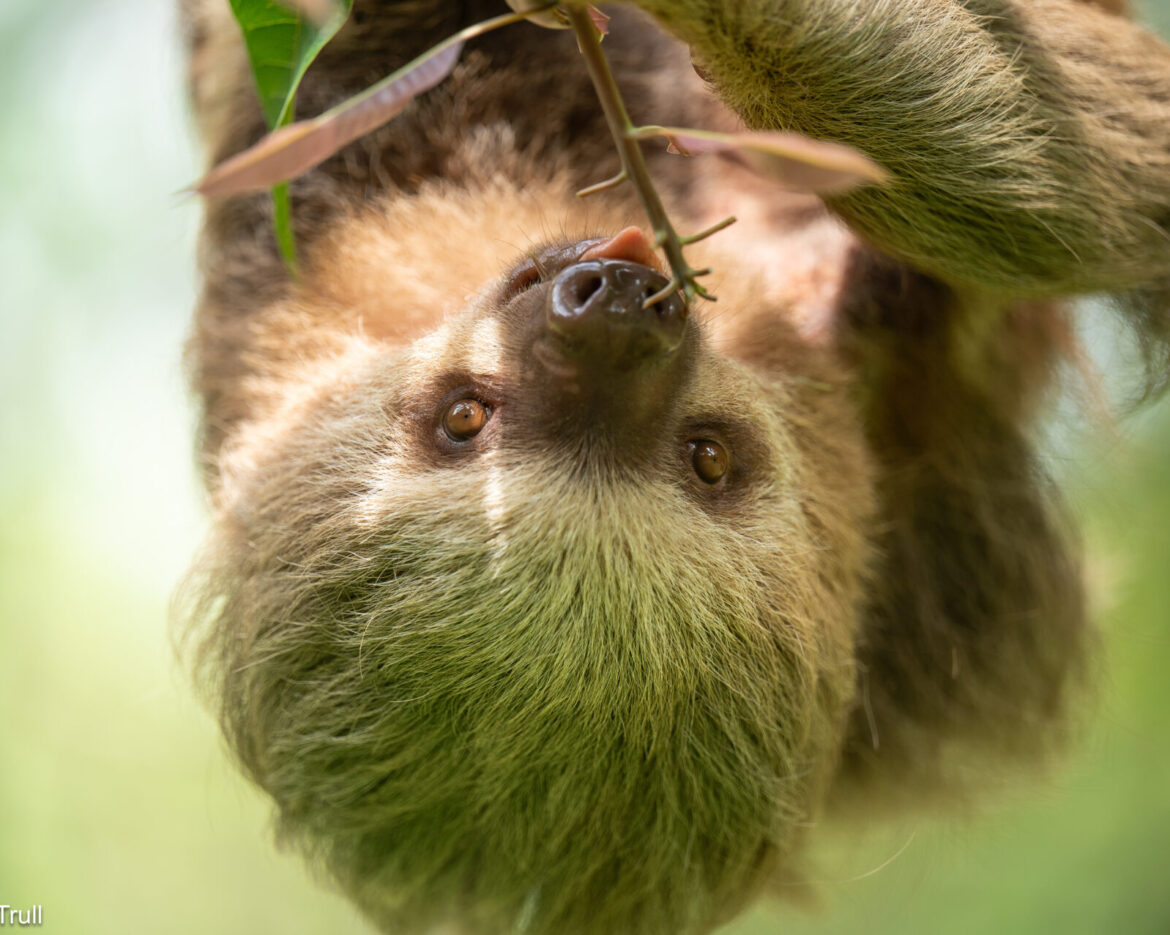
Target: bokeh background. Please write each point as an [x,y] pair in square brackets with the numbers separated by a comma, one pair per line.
[118,811]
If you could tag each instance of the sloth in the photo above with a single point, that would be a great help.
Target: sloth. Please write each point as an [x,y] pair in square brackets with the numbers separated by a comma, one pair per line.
[534,610]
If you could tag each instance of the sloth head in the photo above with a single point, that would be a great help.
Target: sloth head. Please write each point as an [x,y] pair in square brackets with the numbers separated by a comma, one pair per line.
[545,617]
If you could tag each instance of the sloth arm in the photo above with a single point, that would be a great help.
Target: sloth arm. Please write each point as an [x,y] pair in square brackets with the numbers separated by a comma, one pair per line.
[1029,145]
[1029,142]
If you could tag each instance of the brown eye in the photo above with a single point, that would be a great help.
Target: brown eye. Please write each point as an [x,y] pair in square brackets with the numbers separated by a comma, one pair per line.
[710,460]
[465,419]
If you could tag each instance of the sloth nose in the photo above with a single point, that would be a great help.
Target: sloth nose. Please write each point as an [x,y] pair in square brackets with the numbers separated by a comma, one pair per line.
[597,307]
[609,368]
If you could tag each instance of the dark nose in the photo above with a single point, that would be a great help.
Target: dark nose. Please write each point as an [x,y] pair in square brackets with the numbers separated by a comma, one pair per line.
[598,308]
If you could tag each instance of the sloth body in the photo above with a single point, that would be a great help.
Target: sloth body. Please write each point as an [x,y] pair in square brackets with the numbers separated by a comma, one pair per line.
[534,629]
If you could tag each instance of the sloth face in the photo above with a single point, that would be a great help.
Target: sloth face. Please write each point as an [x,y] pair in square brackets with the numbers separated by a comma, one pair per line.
[547,615]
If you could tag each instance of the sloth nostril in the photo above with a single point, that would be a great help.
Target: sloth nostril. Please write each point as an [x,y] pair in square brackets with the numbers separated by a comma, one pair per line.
[600,305]
[669,308]
[585,287]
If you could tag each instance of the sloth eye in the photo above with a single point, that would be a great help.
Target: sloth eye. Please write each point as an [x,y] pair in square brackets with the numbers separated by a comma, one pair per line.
[709,459]
[465,419]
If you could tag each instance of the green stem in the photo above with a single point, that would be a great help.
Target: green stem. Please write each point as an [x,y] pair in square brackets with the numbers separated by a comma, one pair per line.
[630,151]
[282,221]
[282,204]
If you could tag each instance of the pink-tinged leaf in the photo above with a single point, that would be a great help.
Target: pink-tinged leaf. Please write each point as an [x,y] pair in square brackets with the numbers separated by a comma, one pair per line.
[295,149]
[600,20]
[796,162]
[543,13]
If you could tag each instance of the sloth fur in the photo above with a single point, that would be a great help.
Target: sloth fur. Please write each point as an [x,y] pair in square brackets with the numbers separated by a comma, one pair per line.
[550,683]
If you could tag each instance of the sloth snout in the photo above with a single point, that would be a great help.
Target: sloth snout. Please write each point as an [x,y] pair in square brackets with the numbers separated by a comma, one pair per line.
[597,307]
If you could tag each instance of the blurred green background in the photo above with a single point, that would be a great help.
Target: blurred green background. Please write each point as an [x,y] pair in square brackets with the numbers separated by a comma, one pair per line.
[118,812]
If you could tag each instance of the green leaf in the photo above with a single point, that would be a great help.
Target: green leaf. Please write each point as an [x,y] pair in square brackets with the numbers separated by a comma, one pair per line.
[282,40]
[282,43]
[294,149]
[319,11]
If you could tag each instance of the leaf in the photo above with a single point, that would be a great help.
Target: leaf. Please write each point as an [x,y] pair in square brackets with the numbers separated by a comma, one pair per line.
[282,43]
[795,161]
[319,12]
[551,16]
[293,150]
[544,14]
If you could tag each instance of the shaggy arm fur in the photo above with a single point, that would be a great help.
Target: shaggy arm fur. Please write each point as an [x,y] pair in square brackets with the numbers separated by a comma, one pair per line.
[1028,140]
[1030,148]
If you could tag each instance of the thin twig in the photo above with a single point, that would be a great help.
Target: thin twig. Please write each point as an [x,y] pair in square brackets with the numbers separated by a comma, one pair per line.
[633,161]
[713,229]
[603,186]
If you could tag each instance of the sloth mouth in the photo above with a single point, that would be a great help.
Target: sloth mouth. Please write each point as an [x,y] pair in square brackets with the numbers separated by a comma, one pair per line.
[591,314]
[542,266]
[631,245]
